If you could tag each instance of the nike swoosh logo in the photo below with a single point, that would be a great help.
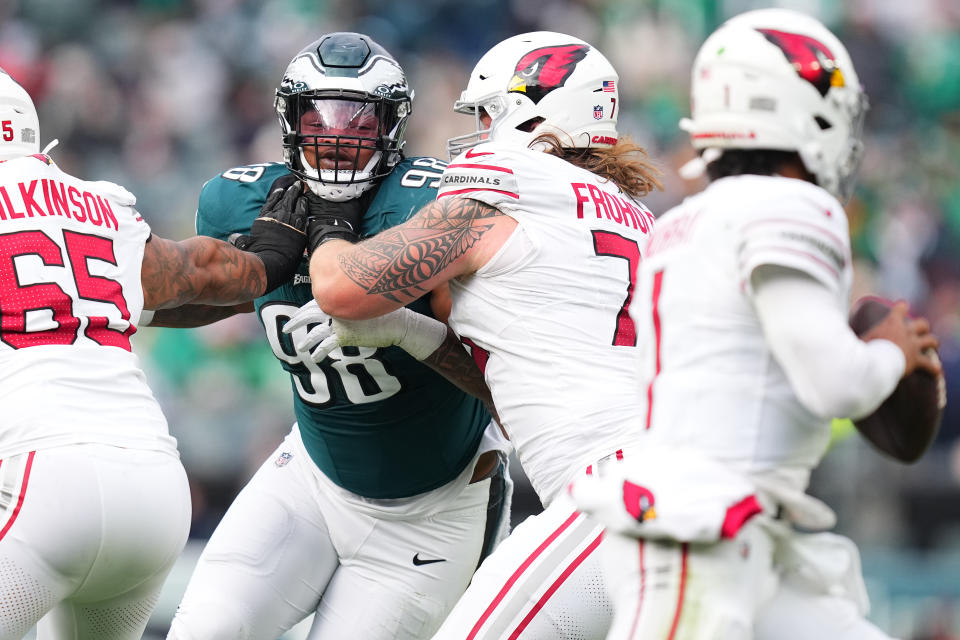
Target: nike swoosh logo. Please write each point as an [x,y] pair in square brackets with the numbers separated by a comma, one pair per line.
[470,153]
[419,562]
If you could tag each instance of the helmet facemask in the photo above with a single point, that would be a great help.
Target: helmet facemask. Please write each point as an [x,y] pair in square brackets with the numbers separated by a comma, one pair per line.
[343,106]
[341,142]
[493,105]
[834,158]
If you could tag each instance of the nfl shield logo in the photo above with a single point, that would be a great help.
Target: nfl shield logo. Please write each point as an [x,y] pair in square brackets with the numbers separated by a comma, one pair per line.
[283,459]
[598,112]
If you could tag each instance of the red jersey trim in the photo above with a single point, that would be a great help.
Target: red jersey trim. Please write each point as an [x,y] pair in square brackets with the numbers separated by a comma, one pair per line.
[458,192]
[737,516]
[658,339]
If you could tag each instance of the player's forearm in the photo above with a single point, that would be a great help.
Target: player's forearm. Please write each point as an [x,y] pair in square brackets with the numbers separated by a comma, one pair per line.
[440,242]
[335,276]
[199,270]
[453,362]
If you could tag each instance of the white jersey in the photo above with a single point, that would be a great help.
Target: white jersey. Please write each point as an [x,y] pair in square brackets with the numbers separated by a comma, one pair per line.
[548,316]
[70,297]
[713,382]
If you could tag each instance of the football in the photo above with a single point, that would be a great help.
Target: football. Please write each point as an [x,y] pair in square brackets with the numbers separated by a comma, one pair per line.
[905,425]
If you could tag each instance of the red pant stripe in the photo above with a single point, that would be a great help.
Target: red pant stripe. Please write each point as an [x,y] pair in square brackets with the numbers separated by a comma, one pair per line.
[643,586]
[556,585]
[516,574]
[23,493]
[683,585]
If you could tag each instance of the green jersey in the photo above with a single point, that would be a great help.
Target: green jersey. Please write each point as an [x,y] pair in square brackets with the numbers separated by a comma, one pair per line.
[375,421]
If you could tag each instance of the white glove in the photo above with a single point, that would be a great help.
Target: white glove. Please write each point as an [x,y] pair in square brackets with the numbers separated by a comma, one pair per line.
[415,333]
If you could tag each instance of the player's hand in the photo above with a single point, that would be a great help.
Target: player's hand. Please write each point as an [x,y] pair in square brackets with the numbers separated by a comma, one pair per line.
[271,210]
[285,206]
[416,334]
[317,341]
[329,220]
[279,235]
[913,337]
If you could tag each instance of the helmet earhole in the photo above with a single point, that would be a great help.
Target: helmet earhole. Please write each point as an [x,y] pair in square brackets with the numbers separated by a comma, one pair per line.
[529,125]
[823,123]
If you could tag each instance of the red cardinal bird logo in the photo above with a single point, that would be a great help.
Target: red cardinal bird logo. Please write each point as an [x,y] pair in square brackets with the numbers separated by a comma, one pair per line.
[638,501]
[542,70]
[813,61]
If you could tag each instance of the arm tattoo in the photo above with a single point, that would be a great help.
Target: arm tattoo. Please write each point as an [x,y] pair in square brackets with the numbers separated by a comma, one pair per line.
[402,258]
[199,269]
[453,362]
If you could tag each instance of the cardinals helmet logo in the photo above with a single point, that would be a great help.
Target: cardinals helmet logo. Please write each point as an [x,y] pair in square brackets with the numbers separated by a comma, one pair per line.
[638,501]
[813,61]
[542,70]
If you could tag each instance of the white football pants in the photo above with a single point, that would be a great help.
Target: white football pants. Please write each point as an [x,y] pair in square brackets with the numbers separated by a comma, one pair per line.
[681,591]
[765,584]
[293,543]
[544,582]
[88,534]
[557,575]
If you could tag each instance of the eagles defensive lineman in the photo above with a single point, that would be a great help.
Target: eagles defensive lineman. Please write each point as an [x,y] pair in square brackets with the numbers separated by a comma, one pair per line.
[380,503]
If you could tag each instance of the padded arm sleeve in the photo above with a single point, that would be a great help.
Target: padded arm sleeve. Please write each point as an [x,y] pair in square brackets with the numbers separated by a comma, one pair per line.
[833,373]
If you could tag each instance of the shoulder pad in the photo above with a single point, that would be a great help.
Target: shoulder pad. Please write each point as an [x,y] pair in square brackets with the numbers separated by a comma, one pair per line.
[115,191]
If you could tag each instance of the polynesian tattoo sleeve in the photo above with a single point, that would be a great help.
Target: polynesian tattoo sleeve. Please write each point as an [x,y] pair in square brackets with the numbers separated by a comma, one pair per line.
[395,263]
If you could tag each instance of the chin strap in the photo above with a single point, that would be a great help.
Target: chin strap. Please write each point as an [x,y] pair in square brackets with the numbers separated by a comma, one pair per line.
[698,166]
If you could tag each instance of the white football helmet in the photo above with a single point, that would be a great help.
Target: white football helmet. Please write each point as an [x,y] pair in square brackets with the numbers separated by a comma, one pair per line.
[541,82]
[778,79]
[339,95]
[19,125]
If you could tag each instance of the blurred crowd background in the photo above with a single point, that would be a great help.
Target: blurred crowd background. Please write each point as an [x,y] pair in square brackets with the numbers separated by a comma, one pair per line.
[161,95]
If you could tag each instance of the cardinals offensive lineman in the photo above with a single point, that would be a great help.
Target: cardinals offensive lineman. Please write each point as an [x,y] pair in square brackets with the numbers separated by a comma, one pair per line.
[741,311]
[538,231]
[94,503]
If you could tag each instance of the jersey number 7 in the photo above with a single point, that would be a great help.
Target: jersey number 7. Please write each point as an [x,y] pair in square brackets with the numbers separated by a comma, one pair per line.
[614,245]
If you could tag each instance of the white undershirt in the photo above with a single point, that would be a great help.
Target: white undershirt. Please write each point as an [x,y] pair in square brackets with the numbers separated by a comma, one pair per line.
[833,373]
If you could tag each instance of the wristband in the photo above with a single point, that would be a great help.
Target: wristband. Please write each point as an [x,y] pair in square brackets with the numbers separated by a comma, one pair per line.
[319,231]
[280,247]
[422,335]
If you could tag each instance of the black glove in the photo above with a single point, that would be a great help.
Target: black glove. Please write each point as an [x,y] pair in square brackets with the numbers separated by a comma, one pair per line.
[329,220]
[279,235]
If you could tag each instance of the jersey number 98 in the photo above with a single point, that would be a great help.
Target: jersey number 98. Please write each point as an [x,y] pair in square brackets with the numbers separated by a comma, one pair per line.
[362,377]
